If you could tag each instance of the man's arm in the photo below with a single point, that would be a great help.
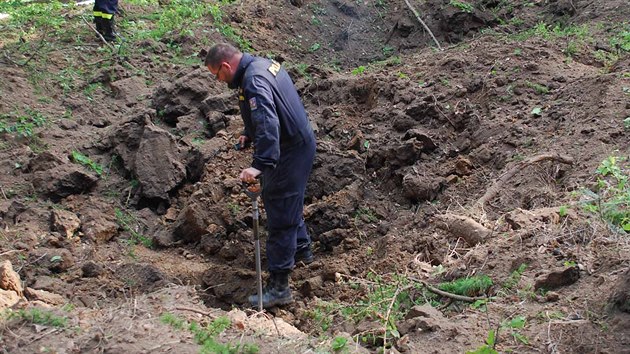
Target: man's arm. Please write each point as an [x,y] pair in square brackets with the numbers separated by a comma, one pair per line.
[259,96]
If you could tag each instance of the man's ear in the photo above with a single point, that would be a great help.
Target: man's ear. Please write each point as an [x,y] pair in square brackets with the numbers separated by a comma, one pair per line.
[202,54]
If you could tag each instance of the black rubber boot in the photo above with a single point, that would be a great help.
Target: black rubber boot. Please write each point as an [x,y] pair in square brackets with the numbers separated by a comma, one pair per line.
[276,292]
[98,21]
[304,255]
[109,30]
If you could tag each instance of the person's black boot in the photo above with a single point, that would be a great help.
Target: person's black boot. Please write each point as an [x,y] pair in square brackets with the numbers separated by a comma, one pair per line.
[304,255]
[98,22]
[109,30]
[276,292]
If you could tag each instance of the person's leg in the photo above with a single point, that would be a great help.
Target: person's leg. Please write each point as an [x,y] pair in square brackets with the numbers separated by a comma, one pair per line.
[282,224]
[304,253]
[283,197]
[108,10]
[98,19]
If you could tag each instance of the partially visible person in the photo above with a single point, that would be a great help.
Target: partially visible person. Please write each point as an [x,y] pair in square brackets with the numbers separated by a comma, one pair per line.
[284,149]
[104,11]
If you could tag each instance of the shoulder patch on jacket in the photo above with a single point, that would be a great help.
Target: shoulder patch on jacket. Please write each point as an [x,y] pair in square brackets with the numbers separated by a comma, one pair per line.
[274,67]
[252,103]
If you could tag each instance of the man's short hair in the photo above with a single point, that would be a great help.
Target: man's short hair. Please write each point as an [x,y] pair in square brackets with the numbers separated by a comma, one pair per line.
[219,53]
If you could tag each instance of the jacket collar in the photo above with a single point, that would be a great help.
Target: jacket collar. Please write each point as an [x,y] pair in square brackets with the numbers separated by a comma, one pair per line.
[240,71]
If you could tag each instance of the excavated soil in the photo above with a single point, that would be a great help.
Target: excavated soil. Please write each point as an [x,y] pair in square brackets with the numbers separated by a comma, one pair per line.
[431,164]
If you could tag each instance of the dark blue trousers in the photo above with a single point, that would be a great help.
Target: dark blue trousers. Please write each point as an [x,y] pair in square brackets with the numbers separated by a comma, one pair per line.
[283,195]
[105,8]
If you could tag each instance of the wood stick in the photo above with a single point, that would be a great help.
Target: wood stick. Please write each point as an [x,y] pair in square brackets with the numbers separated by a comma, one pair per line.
[98,34]
[205,313]
[423,24]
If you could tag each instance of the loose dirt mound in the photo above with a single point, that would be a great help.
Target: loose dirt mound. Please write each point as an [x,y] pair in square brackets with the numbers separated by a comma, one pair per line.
[432,166]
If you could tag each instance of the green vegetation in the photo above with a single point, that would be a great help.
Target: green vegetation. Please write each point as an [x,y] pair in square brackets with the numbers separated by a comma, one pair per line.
[471,286]
[540,89]
[385,299]
[22,124]
[462,6]
[130,224]
[38,316]
[563,210]
[611,197]
[206,335]
[339,344]
[515,277]
[366,214]
[488,347]
[513,326]
[358,71]
[81,159]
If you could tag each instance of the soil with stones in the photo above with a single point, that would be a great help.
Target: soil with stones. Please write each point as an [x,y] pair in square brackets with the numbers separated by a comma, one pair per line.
[434,165]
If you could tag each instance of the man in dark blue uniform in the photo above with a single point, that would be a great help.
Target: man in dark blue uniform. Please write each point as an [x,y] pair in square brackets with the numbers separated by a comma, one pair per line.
[284,149]
[104,11]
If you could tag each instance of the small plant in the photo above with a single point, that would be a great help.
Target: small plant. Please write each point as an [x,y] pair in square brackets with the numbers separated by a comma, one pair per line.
[388,51]
[206,335]
[472,286]
[611,200]
[315,20]
[40,317]
[563,210]
[537,111]
[462,6]
[540,89]
[358,71]
[515,277]
[513,325]
[22,124]
[366,214]
[626,123]
[79,158]
[315,47]
[339,344]
[127,222]
[488,347]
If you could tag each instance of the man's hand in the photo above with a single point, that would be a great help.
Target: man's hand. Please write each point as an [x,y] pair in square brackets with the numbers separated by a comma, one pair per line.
[249,174]
[243,139]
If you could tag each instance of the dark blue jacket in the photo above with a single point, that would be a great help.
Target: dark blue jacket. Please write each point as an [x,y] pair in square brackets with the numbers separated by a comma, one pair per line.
[271,109]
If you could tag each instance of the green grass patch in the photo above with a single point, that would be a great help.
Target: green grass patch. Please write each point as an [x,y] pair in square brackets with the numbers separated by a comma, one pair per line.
[130,224]
[206,335]
[471,286]
[611,197]
[81,159]
[39,317]
[22,124]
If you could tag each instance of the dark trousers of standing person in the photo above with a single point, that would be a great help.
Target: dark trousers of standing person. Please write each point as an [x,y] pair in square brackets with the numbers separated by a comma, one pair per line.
[104,11]
[283,195]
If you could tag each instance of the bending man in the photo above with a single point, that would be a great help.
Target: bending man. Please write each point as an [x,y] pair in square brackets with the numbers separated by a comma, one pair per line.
[284,149]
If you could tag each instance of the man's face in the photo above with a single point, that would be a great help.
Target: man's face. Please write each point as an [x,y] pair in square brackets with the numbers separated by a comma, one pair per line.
[223,72]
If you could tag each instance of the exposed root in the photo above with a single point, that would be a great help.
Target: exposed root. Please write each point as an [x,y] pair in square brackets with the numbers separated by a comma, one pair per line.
[498,184]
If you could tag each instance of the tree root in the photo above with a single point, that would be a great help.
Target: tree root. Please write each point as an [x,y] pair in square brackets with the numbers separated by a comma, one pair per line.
[498,184]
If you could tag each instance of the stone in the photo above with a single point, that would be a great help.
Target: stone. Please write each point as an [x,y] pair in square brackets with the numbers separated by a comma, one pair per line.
[9,279]
[557,279]
[8,298]
[44,296]
[65,222]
